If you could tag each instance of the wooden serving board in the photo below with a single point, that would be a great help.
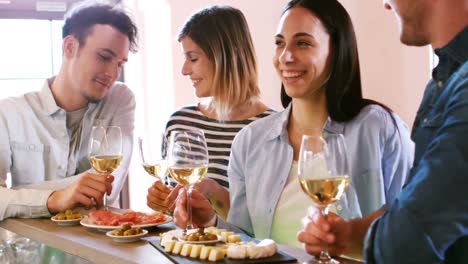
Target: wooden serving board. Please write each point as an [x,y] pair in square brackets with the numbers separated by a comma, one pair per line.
[279,257]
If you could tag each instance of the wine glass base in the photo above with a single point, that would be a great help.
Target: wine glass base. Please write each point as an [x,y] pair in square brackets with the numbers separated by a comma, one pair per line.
[322,261]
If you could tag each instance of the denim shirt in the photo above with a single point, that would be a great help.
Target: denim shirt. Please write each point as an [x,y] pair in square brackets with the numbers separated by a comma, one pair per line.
[261,158]
[428,222]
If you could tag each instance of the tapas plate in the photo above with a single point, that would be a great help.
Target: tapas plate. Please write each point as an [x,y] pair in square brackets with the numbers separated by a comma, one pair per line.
[87,222]
[126,239]
[70,222]
[206,242]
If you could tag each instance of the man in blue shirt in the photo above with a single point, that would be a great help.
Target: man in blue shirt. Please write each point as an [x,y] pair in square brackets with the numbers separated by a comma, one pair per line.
[428,222]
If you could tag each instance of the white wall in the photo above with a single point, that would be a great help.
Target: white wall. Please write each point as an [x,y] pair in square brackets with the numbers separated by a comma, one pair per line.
[391,73]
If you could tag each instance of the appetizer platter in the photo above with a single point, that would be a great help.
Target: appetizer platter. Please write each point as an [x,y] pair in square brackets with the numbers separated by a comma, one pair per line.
[106,220]
[127,233]
[231,248]
[68,218]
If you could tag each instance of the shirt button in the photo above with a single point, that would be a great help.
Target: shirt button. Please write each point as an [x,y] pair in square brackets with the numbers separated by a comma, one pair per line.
[440,84]
[425,120]
[339,207]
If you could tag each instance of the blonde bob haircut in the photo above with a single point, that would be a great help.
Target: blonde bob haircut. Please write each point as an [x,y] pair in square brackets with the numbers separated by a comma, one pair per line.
[223,34]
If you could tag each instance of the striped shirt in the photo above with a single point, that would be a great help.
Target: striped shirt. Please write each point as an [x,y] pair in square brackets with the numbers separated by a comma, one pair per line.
[219,136]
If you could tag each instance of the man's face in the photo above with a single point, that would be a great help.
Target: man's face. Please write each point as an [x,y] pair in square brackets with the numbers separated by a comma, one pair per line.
[412,18]
[95,65]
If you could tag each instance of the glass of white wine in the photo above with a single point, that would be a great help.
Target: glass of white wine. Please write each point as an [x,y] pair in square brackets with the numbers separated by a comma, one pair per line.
[188,161]
[323,175]
[153,157]
[105,151]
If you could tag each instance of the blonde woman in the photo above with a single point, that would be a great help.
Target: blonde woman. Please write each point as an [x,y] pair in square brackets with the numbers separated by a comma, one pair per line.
[220,62]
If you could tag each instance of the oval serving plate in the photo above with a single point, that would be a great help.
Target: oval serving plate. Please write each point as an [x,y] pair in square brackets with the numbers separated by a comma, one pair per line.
[126,239]
[206,242]
[87,222]
[71,222]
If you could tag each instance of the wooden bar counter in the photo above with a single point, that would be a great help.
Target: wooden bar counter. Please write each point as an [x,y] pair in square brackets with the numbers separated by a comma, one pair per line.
[96,247]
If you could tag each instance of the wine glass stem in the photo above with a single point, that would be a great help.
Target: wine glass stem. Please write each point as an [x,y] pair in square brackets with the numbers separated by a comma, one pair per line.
[104,203]
[189,208]
[324,256]
[104,198]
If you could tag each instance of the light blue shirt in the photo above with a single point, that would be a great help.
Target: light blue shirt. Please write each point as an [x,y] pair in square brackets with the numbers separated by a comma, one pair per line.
[380,157]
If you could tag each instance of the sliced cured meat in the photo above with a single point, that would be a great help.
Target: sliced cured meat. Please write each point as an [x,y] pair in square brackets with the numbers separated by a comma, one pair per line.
[107,218]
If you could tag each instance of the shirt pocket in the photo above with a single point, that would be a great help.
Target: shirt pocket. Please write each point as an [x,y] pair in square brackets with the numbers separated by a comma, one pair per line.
[432,122]
[101,122]
[29,162]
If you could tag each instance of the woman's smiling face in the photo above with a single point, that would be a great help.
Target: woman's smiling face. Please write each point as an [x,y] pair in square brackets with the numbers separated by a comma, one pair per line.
[302,55]
[198,67]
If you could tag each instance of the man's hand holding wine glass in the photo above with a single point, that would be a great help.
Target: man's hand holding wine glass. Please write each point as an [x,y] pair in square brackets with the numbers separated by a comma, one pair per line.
[323,174]
[88,190]
[334,230]
[105,153]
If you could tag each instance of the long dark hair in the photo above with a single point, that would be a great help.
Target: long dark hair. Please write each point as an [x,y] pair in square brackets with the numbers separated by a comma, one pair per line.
[343,90]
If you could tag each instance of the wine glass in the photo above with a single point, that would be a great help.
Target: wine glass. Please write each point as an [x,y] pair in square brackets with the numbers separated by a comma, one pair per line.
[323,175]
[105,151]
[153,158]
[188,161]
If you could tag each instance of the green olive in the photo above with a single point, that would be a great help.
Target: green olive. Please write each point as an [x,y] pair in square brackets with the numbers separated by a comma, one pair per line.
[126,227]
[129,232]
[192,237]
[138,230]
[117,232]
[211,236]
[61,216]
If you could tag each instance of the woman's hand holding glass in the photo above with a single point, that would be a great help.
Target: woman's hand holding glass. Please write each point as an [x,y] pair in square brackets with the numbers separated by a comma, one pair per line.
[203,214]
[323,175]
[188,163]
[153,159]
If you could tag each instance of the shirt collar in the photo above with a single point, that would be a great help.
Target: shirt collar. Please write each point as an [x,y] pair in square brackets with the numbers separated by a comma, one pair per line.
[47,100]
[49,106]
[451,56]
[280,125]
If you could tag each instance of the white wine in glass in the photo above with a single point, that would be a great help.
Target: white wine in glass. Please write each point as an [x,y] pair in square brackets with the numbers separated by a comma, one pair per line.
[153,157]
[188,161]
[105,151]
[323,175]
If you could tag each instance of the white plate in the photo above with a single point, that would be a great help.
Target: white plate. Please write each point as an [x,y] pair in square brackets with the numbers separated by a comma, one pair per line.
[126,239]
[86,221]
[71,222]
[201,242]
